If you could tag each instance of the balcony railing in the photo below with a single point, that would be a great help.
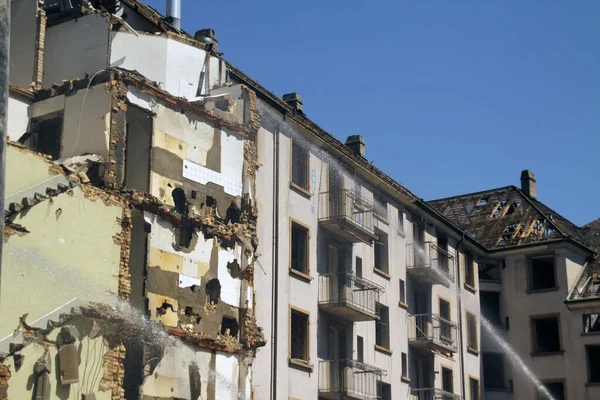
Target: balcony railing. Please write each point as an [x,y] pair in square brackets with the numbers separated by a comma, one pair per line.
[347,216]
[348,296]
[348,379]
[430,263]
[432,331]
[433,394]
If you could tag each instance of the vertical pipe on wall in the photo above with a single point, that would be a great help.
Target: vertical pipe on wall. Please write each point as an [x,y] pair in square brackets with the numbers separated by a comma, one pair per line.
[4,65]
[460,324]
[275,262]
[174,13]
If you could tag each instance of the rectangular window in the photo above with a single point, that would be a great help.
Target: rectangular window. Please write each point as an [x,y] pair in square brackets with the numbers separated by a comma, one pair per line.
[556,390]
[382,327]
[380,206]
[469,270]
[447,380]
[404,366]
[593,363]
[591,323]
[472,342]
[490,306]
[360,349]
[442,256]
[299,251]
[384,391]
[445,327]
[401,221]
[489,272]
[493,371]
[546,334]
[299,336]
[474,389]
[357,192]
[402,292]
[46,134]
[541,273]
[381,251]
[300,166]
[359,271]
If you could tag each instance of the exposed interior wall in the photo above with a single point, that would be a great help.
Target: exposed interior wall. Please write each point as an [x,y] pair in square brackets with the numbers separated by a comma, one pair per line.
[24,170]
[69,252]
[75,48]
[138,150]
[19,118]
[23,30]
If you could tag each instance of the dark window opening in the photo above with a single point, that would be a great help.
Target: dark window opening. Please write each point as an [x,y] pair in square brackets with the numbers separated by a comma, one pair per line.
[472,341]
[541,273]
[162,310]
[381,208]
[469,270]
[359,271]
[381,251]
[46,134]
[213,291]
[183,235]
[506,323]
[382,327]
[234,269]
[299,248]
[474,389]
[404,365]
[489,272]
[299,336]
[300,164]
[490,306]
[384,391]
[193,194]
[593,363]
[555,389]
[229,326]
[402,291]
[360,350]
[493,370]
[447,380]
[180,201]
[546,335]
[400,221]
[191,316]
[591,323]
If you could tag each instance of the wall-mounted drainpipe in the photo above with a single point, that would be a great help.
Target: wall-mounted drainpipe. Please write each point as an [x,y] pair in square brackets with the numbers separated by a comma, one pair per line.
[174,13]
[275,263]
[460,324]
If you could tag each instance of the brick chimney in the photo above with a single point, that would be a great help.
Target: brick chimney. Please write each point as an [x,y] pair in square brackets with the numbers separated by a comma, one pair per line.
[528,185]
[356,143]
[294,100]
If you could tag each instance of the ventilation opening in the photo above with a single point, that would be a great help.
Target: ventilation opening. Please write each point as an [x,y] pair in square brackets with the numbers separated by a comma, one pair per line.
[229,327]
[213,291]
[234,269]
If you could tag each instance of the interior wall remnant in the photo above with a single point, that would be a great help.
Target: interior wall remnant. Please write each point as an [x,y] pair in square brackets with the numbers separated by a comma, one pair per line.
[138,150]
[46,134]
[137,259]
[22,42]
[19,119]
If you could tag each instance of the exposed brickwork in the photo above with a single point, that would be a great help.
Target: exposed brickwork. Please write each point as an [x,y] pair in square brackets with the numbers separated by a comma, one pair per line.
[115,171]
[38,66]
[4,377]
[114,372]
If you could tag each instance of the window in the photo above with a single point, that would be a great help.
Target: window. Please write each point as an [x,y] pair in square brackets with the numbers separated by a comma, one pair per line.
[357,192]
[381,252]
[380,206]
[593,363]
[445,326]
[490,306]
[447,380]
[299,336]
[472,342]
[591,323]
[546,334]
[541,273]
[489,272]
[299,251]
[46,134]
[473,388]
[384,391]
[402,292]
[493,371]
[442,256]
[555,389]
[359,271]
[360,349]
[469,270]
[382,327]
[401,221]
[300,166]
[404,366]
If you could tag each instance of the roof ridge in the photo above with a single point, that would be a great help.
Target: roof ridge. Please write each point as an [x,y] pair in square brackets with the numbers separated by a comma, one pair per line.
[470,194]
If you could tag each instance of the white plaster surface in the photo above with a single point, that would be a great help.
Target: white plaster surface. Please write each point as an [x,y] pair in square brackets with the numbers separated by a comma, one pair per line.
[230,287]
[18,121]
[228,369]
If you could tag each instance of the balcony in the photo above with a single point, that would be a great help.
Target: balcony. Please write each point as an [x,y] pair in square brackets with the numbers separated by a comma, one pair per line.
[433,394]
[346,216]
[348,379]
[348,296]
[430,331]
[431,264]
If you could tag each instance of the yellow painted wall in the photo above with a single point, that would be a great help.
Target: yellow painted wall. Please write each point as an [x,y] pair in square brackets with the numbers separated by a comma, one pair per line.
[24,170]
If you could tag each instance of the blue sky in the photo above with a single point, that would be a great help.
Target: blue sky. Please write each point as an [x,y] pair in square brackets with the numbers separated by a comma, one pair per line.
[451,97]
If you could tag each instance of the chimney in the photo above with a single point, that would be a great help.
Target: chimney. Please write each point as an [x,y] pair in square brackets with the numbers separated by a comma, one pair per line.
[294,100]
[174,13]
[528,185]
[356,143]
[208,37]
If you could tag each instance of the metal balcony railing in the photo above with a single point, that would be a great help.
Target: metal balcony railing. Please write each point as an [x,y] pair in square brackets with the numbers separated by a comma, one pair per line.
[351,216]
[433,394]
[433,330]
[348,379]
[431,262]
[349,296]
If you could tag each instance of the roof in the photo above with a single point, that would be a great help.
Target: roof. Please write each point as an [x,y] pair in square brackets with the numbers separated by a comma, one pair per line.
[503,217]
